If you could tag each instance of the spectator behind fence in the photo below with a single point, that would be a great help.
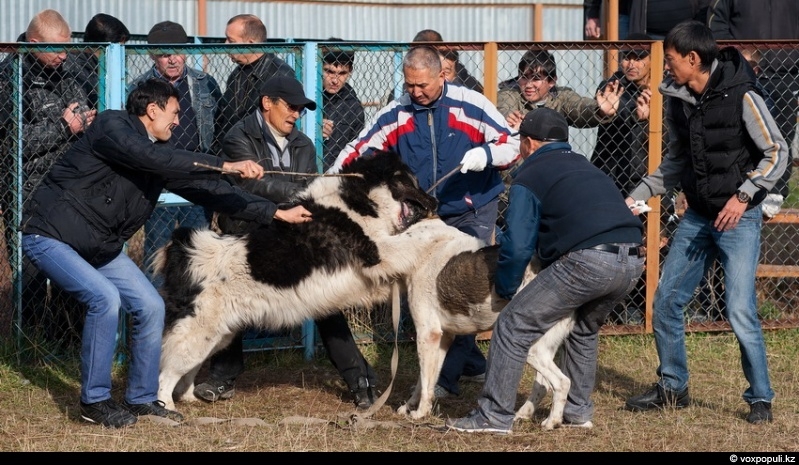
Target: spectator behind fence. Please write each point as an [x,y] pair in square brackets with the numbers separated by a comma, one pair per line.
[536,87]
[726,152]
[652,17]
[439,128]
[622,150]
[777,69]
[91,203]
[199,96]
[463,77]
[102,28]
[253,68]
[569,214]
[269,137]
[343,113]
[55,112]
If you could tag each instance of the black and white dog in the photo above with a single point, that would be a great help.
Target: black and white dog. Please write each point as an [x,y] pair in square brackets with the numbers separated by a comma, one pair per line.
[281,275]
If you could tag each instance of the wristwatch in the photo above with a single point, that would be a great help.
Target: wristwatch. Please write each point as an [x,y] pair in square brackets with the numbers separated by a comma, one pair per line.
[743,197]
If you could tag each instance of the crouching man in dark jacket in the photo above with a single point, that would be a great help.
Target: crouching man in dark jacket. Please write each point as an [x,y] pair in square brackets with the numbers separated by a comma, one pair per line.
[91,202]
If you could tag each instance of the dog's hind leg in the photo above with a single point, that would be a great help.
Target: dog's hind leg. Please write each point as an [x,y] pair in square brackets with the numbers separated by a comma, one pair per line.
[537,393]
[542,356]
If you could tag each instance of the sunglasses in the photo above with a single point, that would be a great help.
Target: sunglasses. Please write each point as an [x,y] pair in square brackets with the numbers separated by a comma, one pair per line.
[294,108]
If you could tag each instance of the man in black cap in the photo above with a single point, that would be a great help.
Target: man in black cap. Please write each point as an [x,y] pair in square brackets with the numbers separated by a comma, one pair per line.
[269,136]
[571,214]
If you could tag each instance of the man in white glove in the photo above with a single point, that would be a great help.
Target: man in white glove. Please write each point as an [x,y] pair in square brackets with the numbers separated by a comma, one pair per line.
[474,160]
[439,128]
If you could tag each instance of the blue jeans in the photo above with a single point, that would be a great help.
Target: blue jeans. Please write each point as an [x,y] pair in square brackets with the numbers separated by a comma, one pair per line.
[588,282]
[695,246]
[105,290]
[464,358]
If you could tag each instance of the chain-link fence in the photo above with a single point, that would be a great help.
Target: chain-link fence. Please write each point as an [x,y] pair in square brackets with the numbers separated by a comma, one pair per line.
[351,82]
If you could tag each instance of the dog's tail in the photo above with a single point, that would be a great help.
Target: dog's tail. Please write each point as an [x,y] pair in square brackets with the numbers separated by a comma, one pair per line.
[172,262]
[175,251]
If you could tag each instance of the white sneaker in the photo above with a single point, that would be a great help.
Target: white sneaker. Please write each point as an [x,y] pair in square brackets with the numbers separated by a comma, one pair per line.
[586,424]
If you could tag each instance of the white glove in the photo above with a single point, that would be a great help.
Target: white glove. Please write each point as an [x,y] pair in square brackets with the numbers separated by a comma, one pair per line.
[771,205]
[641,206]
[474,160]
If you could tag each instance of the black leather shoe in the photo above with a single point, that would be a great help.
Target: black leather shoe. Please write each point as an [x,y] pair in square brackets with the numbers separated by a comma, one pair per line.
[760,412]
[364,395]
[657,398]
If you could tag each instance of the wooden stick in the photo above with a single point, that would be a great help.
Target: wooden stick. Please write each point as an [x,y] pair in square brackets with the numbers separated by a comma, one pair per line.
[292,173]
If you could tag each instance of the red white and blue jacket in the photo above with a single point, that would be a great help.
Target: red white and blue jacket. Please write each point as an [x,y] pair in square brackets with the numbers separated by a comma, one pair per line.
[433,139]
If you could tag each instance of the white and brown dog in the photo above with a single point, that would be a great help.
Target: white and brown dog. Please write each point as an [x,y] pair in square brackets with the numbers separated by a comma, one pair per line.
[452,292]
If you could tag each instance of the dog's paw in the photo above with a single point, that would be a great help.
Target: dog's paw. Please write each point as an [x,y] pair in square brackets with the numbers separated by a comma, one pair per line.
[403,410]
[189,397]
[526,411]
[551,423]
[419,413]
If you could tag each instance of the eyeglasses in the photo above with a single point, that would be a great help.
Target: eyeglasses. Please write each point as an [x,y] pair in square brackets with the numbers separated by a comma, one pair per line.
[294,108]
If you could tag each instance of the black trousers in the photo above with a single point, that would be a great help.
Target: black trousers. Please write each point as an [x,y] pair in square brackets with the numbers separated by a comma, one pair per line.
[337,339]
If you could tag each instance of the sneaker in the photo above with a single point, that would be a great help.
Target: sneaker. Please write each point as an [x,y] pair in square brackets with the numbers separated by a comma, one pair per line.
[475,423]
[107,413]
[585,424]
[481,378]
[156,408]
[760,412]
[440,392]
[214,390]
[658,397]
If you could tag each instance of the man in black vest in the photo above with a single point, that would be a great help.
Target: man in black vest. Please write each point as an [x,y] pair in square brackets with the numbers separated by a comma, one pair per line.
[726,152]
[572,215]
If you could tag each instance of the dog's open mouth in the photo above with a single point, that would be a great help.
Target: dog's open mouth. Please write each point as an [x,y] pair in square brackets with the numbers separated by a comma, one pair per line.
[411,213]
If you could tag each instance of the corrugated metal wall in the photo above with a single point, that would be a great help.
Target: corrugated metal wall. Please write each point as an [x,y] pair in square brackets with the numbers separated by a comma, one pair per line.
[395,21]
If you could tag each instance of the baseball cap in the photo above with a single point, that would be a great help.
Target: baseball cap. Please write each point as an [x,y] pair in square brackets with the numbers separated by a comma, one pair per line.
[545,124]
[289,89]
[167,32]
[635,50]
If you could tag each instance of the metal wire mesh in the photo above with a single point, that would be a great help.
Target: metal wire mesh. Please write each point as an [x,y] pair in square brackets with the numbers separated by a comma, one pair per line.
[35,311]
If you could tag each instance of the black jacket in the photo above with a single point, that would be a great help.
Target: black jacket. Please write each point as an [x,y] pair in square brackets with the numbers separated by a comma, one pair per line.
[721,152]
[248,140]
[46,92]
[622,149]
[346,112]
[243,91]
[105,187]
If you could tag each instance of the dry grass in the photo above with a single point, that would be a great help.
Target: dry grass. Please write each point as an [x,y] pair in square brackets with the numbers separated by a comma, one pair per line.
[38,408]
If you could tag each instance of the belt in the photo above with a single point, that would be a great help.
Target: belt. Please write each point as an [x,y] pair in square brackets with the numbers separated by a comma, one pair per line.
[635,251]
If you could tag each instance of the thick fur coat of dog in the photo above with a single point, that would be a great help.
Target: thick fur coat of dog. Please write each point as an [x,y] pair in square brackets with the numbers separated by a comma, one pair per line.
[452,292]
[281,275]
